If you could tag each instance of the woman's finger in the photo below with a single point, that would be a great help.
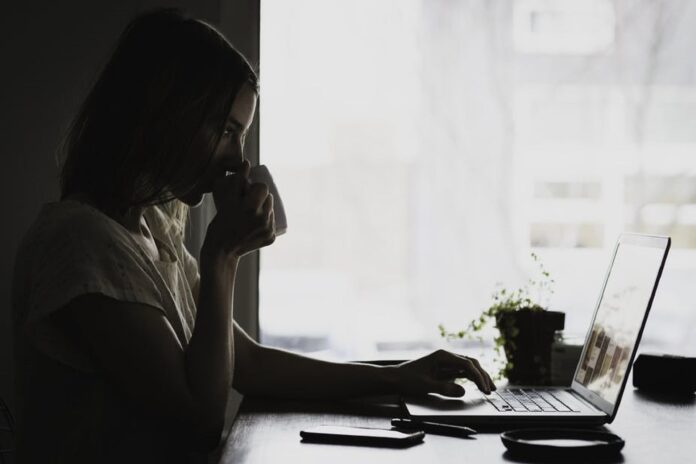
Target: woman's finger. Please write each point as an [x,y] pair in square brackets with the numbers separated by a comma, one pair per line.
[467,369]
[473,374]
[477,365]
[269,241]
[258,239]
[262,233]
[268,208]
[256,196]
[491,385]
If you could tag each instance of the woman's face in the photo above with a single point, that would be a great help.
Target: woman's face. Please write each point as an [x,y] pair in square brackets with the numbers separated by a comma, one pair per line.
[229,153]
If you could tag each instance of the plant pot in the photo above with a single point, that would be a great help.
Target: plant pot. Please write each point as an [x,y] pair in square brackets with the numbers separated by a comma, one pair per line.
[528,335]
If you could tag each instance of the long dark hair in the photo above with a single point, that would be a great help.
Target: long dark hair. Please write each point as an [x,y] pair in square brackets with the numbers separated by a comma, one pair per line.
[161,99]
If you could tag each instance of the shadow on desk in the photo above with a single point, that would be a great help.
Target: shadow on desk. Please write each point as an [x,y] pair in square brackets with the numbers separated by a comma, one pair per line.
[378,406]
[680,399]
[507,456]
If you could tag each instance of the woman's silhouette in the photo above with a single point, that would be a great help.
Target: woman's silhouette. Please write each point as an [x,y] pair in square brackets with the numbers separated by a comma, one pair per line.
[125,345]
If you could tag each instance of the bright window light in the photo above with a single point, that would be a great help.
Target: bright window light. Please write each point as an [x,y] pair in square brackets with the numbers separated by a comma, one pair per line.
[563,26]
[423,149]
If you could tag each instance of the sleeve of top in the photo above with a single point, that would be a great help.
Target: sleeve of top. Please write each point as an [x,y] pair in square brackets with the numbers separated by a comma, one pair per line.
[70,260]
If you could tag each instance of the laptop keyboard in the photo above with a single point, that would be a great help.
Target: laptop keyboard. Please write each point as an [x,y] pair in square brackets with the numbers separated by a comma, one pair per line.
[528,400]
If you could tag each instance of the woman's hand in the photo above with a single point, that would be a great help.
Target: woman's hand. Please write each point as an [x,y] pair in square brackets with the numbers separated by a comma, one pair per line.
[244,220]
[436,372]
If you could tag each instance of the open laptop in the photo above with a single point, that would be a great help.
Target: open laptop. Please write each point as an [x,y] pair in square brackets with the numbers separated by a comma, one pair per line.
[600,377]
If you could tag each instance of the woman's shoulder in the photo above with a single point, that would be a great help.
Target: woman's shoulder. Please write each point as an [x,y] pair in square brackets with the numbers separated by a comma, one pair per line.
[65,226]
[72,218]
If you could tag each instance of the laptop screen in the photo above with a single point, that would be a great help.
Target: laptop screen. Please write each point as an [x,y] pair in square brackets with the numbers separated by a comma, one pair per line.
[619,319]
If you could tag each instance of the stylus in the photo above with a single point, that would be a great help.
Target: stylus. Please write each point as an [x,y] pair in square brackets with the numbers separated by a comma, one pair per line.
[434,427]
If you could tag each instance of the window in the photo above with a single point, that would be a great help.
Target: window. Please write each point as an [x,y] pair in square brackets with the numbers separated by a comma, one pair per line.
[424,148]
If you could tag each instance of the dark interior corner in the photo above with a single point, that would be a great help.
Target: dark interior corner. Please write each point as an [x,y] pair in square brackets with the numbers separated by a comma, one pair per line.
[52,52]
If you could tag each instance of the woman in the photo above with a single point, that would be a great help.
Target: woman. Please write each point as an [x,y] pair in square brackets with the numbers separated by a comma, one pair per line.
[126,348]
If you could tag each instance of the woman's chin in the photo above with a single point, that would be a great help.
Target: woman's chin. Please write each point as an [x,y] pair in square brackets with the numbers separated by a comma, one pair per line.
[192,199]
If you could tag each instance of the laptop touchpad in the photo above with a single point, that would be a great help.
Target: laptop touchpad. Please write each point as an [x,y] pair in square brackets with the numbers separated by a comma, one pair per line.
[442,403]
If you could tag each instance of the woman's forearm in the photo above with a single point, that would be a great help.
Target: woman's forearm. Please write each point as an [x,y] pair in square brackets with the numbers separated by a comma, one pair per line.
[210,353]
[275,373]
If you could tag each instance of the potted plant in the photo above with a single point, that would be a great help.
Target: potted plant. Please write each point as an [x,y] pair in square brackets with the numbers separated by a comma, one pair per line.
[526,329]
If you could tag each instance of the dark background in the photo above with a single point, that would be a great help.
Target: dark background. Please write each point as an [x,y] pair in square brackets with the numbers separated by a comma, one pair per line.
[51,53]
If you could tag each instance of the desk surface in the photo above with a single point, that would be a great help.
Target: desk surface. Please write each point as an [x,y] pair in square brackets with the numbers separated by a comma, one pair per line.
[656,430]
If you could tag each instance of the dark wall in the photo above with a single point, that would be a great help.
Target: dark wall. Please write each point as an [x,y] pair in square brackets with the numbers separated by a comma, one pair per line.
[51,53]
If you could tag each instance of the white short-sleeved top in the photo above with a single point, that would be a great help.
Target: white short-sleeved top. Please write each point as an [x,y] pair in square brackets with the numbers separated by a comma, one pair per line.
[67,411]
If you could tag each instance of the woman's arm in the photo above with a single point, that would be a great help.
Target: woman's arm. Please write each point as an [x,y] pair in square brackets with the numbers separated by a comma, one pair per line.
[136,349]
[270,372]
[212,340]
[275,373]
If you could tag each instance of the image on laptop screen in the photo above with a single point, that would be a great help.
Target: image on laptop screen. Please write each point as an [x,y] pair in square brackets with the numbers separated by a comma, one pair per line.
[619,318]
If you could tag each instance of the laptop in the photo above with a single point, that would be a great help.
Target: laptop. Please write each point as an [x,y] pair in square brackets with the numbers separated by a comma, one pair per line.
[602,372]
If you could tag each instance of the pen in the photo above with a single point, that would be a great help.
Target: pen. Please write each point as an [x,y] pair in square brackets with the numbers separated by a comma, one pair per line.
[434,428]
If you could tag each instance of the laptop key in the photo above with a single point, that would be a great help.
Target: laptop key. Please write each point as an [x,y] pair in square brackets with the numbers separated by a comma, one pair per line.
[517,406]
[521,400]
[533,400]
[568,401]
[500,405]
[557,404]
[504,407]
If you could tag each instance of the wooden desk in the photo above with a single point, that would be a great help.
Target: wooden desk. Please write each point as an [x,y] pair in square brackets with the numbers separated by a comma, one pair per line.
[655,431]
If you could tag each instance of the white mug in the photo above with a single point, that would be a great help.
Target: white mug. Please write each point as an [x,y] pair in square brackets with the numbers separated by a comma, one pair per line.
[260,174]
